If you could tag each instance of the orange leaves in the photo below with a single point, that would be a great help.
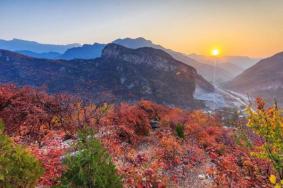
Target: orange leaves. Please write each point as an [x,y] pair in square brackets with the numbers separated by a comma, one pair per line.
[170,150]
[173,116]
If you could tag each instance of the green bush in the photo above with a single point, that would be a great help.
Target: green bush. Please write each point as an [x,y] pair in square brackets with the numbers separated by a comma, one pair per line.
[180,130]
[18,168]
[90,166]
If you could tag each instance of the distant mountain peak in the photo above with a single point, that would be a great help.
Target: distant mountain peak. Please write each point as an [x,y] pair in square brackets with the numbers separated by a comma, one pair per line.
[136,43]
[26,45]
[137,39]
[113,50]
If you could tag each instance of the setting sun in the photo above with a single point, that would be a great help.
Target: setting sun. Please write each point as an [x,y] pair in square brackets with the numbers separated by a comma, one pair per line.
[215,52]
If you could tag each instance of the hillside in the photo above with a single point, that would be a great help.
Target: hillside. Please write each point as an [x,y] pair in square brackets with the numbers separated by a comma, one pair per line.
[150,144]
[263,79]
[121,74]
[43,55]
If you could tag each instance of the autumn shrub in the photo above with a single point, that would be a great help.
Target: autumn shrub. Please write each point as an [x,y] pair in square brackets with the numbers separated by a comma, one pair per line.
[50,157]
[172,117]
[170,150]
[90,165]
[268,123]
[132,123]
[135,117]
[30,113]
[18,168]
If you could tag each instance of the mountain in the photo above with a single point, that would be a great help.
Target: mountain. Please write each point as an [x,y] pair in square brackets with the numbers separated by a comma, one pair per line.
[215,74]
[263,79]
[242,61]
[24,45]
[43,55]
[227,68]
[91,51]
[120,74]
[203,69]
[234,65]
[86,51]
[137,43]
[205,66]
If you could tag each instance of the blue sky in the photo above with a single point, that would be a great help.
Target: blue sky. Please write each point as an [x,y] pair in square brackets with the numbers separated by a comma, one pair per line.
[246,27]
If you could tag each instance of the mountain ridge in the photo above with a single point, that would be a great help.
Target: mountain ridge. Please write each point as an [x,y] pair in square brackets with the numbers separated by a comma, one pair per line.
[131,78]
[21,45]
[263,79]
[223,72]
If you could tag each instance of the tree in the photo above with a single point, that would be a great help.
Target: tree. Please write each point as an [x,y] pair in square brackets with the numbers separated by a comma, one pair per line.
[18,168]
[90,165]
[268,123]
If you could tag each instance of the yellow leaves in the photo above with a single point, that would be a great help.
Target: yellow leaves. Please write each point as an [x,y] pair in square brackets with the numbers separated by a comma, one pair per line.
[268,124]
[55,120]
[272,179]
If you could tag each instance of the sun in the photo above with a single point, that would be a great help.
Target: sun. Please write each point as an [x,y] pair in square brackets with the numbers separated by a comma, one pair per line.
[215,52]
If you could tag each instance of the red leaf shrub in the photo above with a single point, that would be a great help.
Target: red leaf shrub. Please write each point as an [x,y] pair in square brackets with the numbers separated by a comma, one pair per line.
[29,113]
[50,157]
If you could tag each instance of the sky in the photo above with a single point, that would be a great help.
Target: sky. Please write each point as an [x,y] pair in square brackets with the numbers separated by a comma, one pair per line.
[237,27]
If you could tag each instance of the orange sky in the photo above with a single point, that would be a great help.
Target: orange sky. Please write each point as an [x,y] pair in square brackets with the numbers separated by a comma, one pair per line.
[238,27]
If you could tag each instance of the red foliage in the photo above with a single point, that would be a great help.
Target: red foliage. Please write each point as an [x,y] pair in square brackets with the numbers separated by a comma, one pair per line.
[206,145]
[144,155]
[30,114]
[50,157]
[170,150]
[132,122]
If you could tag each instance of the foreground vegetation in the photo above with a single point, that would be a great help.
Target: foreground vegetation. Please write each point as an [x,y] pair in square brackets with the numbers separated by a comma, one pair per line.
[150,145]
[18,168]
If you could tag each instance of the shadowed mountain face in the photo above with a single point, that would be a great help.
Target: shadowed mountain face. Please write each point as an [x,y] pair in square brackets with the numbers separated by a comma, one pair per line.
[121,74]
[263,79]
[24,45]
[44,55]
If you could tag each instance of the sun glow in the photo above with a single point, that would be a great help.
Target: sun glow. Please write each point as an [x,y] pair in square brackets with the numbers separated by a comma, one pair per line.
[215,52]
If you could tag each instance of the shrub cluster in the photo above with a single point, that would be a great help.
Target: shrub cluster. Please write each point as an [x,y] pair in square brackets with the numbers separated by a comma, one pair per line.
[90,165]
[18,168]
